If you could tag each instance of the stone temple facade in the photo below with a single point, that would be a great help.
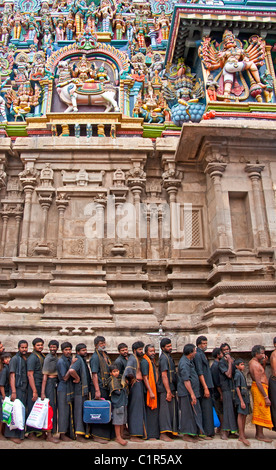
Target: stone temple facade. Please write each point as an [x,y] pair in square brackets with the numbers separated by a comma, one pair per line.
[138,172]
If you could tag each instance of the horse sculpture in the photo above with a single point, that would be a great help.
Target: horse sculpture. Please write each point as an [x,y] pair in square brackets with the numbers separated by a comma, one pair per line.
[84,90]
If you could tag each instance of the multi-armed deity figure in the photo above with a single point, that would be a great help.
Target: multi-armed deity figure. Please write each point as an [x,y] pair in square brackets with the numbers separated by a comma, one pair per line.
[231,57]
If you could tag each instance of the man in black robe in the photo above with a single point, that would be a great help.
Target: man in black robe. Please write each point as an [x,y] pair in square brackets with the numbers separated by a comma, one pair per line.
[206,385]
[166,388]
[82,384]
[18,385]
[121,360]
[272,385]
[34,371]
[65,394]
[217,355]
[137,426]
[226,378]
[188,387]
[150,377]
[99,366]
[50,381]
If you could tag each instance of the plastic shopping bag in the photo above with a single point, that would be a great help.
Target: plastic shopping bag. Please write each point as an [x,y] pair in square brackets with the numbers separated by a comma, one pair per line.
[7,407]
[38,414]
[216,419]
[18,415]
[48,422]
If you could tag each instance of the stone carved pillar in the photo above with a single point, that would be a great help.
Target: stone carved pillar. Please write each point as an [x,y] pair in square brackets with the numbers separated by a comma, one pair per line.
[136,179]
[171,182]
[100,201]
[18,219]
[12,207]
[254,173]
[216,170]
[153,234]
[5,219]
[119,191]
[62,201]
[45,197]
[161,233]
[28,179]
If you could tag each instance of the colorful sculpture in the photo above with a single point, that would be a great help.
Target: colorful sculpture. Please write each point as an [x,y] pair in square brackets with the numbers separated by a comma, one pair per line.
[233,58]
[82,87]
[113,56]
[23,99]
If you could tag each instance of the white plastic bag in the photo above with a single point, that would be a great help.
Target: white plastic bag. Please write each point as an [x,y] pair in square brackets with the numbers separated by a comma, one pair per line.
[7,407]
[18,415]
[38,414]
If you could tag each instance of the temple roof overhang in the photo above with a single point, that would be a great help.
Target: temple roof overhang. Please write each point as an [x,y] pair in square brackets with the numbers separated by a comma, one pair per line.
[215,139]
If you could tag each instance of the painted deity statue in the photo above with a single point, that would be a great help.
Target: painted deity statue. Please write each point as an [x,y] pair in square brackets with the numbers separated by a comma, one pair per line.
[5,29]
[70,26]
[21,100]
[80,9]
[17,22]
[163,23]
[83,86]
[85,70]
[60,28]
[119,24]
[106,13]
[231,58]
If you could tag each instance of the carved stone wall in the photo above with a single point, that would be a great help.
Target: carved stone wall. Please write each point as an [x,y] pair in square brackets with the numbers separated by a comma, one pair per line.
[135,239]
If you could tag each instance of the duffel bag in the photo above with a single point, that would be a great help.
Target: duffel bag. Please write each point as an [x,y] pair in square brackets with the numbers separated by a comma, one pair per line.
[97,411]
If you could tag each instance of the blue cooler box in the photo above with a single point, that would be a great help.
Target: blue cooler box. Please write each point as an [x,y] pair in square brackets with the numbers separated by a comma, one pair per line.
[97,411]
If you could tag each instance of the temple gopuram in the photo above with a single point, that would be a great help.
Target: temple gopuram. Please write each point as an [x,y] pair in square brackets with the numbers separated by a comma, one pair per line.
[138,172]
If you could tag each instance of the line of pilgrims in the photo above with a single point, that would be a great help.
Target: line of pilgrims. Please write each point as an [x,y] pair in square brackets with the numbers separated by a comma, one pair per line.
[149,400]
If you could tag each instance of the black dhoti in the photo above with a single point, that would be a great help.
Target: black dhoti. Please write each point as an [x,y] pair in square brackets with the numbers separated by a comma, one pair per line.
[168,414]
[229,422]
[137,422]
[272,397]
[207,415]
[190,421]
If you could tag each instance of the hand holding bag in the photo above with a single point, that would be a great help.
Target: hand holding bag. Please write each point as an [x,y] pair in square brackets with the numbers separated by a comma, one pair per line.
[38,414]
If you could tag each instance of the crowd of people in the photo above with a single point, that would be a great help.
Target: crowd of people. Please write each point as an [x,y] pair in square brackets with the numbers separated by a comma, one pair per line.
[151,397]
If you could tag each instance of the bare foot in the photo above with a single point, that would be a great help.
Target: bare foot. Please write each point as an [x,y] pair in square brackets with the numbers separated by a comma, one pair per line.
[121,441]
[81,439]
[15,440]
[188,438]
[165,437]
[65,438]
[263,439]
[136,439]
[244,441]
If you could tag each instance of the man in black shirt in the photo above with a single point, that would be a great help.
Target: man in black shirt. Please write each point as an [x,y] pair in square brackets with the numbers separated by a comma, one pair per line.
[206,385]
[121,360]
[188,388]
[166,388]
[34,371]
[217,355]
[18,384]
[82,383]
[226,377]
